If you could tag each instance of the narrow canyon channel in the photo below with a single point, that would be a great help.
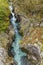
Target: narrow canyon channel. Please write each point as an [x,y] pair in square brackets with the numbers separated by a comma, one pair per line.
[18,53]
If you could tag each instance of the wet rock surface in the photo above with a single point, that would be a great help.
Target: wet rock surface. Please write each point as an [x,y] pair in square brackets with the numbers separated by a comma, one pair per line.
[25,61]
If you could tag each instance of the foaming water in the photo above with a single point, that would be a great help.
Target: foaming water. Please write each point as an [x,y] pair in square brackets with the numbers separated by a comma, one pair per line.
[18,53]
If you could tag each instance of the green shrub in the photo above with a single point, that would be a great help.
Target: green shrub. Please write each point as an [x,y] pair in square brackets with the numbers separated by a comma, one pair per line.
[4,15]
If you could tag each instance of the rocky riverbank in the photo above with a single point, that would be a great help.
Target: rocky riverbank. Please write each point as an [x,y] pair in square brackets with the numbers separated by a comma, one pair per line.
[31,25]
[30,18]
[6,38]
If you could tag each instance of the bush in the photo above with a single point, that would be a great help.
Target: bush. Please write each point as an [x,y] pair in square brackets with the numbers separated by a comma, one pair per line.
[4,13]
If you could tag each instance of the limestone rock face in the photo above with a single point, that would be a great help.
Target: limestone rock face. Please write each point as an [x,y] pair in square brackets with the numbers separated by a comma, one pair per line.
[6,39]
[3,56]
[33,54]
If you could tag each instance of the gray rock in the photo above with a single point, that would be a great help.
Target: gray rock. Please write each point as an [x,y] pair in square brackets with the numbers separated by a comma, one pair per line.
[25,61]
[33,50]
[3,56]
[33,54]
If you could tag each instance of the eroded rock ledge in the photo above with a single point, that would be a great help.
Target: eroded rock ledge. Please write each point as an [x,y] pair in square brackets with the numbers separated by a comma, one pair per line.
[6,38]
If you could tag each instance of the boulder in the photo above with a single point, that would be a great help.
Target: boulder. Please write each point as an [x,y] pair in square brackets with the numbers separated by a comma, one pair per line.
[33,54]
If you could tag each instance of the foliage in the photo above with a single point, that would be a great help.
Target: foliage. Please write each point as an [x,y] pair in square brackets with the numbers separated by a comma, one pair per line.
[4,13]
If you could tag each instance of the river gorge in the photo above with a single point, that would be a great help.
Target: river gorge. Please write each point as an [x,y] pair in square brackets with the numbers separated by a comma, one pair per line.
[18,53]
[21,32]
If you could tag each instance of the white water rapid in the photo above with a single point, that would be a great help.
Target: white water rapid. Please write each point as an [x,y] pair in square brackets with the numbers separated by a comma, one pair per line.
[18,53]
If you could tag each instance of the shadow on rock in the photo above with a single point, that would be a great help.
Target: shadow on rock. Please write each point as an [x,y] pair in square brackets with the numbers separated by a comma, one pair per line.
[25,61]
[11,52]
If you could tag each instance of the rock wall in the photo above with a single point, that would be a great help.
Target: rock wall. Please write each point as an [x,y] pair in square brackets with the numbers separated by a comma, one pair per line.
[31,24]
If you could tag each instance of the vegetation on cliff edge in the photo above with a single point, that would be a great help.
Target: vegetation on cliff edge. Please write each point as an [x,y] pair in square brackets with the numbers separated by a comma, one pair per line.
[4,13]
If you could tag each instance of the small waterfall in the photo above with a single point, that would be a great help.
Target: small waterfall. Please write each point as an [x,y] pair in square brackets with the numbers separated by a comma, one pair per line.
[15,44]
